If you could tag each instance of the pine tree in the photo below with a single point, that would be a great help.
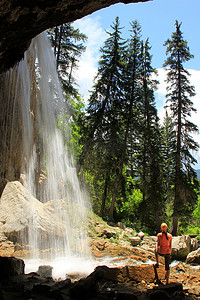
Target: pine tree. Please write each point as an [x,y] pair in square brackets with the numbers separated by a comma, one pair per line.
[129,108]
[179,93]
[168,136]
[68,46]
[149,164]
[104,131]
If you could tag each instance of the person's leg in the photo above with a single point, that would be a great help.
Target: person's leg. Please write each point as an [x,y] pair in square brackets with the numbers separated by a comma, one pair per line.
[167,276]
[156,256]
[167,262]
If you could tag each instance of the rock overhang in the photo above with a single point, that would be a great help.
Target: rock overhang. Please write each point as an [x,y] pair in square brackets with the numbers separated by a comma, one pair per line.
[21,20]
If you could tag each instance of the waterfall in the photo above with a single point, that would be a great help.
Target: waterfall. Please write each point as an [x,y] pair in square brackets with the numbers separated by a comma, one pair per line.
[47,166]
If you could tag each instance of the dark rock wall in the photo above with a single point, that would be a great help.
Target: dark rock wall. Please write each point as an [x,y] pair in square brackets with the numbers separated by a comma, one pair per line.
[21,20]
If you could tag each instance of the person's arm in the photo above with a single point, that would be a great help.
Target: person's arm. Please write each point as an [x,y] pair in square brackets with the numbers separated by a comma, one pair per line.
[158,243]
[170,245]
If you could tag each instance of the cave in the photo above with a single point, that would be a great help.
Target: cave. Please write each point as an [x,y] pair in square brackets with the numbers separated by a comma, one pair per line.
[20,22]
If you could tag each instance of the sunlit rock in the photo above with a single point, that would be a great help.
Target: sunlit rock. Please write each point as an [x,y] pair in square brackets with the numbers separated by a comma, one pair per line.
[17,212]
[193,257]
[194,244]
[135,240]
[181,246]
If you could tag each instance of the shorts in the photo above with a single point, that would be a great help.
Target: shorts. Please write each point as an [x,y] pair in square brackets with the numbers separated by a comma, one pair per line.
[167,259]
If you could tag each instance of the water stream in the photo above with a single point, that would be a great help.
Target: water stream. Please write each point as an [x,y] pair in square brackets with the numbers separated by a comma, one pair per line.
[48,169]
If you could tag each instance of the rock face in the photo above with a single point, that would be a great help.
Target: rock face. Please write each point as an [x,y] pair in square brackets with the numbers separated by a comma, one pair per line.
[16,213]
[20,21]
[181,246]
[10,266]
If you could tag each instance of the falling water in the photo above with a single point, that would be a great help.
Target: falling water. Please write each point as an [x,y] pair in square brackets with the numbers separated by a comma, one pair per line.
[48,168]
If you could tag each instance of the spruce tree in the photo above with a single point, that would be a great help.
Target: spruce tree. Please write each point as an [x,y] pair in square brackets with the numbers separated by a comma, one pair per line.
[129,105]
[68,45]
[105,123]
[168,136]
[179,93]
[149,157]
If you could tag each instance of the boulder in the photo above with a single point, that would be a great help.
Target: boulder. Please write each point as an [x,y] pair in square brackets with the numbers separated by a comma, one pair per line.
[181,246]
[87,287]
[135,240]
[140,234]
[132,273]
[108,232]
[10,266]
[121,225]
[45,271]
[193,257]
[194,244]
[18,209]
[165,292]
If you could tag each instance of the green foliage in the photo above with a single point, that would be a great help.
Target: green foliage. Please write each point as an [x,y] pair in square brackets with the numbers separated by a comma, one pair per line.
[196,212]
[133,196]
[131,165]
[68,47]
[71,124]
[179,93]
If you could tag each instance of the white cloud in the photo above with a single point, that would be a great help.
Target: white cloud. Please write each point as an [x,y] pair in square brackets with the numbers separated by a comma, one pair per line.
[92,28]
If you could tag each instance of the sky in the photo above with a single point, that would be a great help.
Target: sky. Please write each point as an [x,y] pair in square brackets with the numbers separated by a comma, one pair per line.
[157,19]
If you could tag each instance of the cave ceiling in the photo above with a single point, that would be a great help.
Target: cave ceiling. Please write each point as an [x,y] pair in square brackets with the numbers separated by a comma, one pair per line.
[21,20]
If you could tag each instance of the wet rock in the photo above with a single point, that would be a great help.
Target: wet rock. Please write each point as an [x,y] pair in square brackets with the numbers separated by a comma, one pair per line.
[193,257]
[10,266]
[45,271]
[41,288]
[87,287]
[16,215]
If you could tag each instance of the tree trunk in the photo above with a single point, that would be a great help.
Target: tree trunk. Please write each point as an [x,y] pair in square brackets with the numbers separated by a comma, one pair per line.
[174,226]
[116,187]
[104,194]
[177,198]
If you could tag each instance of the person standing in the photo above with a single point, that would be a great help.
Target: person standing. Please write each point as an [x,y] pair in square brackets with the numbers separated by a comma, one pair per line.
[164,248]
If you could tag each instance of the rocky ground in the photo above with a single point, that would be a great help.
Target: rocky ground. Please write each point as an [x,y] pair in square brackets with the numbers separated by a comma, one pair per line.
[131,276]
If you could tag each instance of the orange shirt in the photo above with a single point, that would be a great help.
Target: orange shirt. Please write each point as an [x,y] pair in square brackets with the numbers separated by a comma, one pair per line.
[164,245]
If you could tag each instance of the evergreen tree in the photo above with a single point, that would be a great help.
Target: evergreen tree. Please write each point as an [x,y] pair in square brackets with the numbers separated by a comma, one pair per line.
[179,93]
[149,163]
[68,47]
[129,108]
[168,145]
[104,131]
